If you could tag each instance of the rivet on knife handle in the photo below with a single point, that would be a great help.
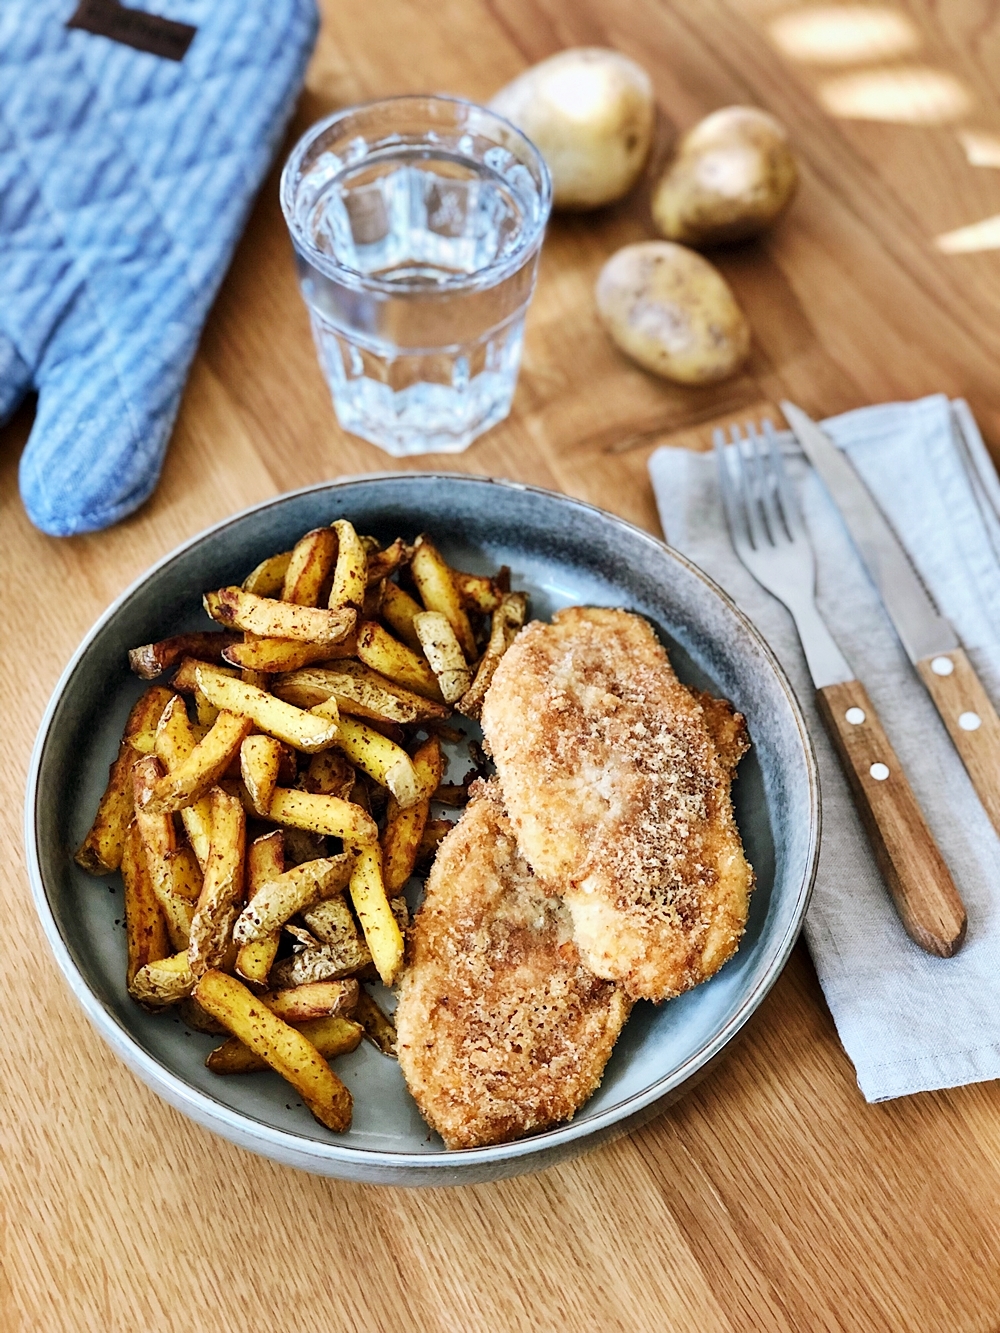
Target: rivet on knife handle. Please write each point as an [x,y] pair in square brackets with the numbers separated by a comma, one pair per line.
[908,857]
[971,720]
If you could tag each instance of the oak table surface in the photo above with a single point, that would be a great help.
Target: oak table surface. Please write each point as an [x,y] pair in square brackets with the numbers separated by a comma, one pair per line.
[772,1197]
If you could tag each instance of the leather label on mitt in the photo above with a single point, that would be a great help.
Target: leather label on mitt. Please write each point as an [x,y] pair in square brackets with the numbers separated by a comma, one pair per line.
[134,27]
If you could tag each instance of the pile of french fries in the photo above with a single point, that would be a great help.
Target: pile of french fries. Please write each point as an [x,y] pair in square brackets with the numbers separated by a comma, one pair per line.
[267,808]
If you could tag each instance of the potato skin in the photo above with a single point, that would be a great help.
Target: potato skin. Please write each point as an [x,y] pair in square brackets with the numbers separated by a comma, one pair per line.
[672,312]
[734,174]
[590,113]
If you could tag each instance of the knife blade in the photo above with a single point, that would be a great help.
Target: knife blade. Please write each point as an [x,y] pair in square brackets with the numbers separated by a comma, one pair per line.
[927,638]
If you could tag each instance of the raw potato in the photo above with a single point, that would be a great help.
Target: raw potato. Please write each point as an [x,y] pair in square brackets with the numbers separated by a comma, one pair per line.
[590,113]
[669,309]
[733,176]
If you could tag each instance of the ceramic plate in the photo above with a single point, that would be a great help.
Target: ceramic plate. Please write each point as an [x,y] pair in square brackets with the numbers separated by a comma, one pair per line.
[561,551]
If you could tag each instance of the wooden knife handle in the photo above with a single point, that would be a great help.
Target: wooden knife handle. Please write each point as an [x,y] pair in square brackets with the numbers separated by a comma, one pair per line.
[971,720]
[908,857]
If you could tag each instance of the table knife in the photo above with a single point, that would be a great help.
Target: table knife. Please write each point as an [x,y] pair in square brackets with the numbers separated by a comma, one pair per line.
[928,640]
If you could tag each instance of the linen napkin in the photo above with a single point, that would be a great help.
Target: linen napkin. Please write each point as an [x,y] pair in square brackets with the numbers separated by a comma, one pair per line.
[126,177]
[908,1021]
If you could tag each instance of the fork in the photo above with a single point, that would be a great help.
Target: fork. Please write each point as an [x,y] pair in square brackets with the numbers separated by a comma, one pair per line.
[769,537]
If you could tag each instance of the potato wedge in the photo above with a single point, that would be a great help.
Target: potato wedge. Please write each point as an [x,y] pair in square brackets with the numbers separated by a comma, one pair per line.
[432,575]
[317,999]
[350,575]
[265,861]
[379,1027]
[329,774]
[358,690]
[331,922]
[379,757]
[145,928]
[273,619]
[323,814]
[479,592]
[508,619]
[164,982]
[281,898]
[205,764]
[274,655]
[323,962]
[301,730]
[397,608]
[185,677]
[444,653]
[382,934]
[405,828]
[383,563]
[175,739]
[309,568]
[435,831]
[386,655]
[171,878]
[269,576]
[260,761]
[286,1050]
[222,892]
[100,852]
[331,1037]
[152,659]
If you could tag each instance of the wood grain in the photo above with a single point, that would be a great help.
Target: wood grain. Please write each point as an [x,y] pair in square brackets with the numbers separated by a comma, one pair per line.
[908,857]
[772,1197]
[971,719]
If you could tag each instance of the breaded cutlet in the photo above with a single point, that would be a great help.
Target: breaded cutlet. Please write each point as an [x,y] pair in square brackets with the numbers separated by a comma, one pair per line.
[501,1030]
[616,779]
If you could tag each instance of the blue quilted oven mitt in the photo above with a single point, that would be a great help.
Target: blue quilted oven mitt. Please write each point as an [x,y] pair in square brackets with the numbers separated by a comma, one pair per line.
[126,178]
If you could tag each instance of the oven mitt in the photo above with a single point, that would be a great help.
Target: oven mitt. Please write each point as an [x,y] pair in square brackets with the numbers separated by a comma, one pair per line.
[126,178]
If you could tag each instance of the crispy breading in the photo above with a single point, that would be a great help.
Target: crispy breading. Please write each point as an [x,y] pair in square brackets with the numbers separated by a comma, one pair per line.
[620,798]
[501,1031]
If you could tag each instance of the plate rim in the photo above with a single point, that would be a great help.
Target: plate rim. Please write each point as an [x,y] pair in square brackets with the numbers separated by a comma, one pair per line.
[284,1144]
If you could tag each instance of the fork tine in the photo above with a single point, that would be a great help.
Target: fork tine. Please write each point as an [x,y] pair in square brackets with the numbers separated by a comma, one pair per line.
[767,482]
[730,499]
[790,512]
[748,479]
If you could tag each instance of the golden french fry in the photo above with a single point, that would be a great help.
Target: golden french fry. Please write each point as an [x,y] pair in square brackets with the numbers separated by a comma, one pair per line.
[323,814]
[260,760]
[204,765]
[265,861]
[222,892]
[192,1015]
[274,655]
[164,982]
[379,1027]
[101,850]
[301,730]
[273,619]
[382,934]
[508,619]
[444,653]
[383,563]
[317,999]
[455,794]
[281,898]
[405,828]
[186,679]
[350,575]
[357,690]
[286,1050]
[329,774]
[331,922]
[175,739]
[432,575]
[269,576]
[169,876]
[145,929]
[309,568]
[479,592]
[152,659]
[379,757]
[397,608]
[386,655]
[331,1036]
[435,831]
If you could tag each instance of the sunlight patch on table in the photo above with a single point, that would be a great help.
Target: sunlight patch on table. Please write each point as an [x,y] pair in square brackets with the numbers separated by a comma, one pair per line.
[844,34]
[912,95]
[978,236]
[981,148]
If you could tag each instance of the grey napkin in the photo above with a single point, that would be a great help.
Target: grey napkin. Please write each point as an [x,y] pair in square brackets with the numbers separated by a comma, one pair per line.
[908,1021]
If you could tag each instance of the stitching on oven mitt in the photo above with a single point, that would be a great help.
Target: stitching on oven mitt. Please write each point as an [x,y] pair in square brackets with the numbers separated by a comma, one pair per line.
[125,182]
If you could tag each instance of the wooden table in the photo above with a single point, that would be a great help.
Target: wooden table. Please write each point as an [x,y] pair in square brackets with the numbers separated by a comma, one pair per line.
[772,1198]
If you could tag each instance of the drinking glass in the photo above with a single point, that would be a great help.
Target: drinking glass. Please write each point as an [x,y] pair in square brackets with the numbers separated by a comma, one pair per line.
[417,224]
